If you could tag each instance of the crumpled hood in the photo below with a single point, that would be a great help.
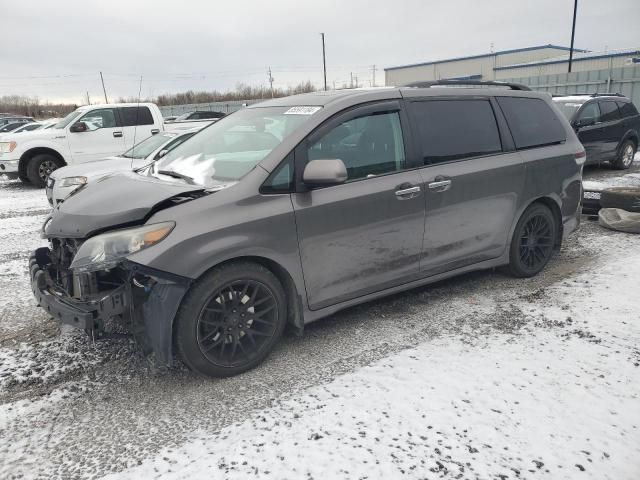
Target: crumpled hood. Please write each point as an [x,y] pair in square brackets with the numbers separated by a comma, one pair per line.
[120,199]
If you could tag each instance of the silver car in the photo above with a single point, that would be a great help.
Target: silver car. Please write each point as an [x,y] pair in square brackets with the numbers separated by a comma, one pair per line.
[292,209]
[64,181]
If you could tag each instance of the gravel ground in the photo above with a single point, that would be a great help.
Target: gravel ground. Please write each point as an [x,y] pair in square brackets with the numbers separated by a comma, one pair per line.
[71,408]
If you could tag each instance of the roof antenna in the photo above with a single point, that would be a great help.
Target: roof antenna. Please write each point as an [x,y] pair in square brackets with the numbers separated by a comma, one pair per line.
[135,127]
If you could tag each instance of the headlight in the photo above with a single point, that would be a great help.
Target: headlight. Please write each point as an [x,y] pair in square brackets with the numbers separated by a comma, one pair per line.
[72,181]
[107,250]
[7,147]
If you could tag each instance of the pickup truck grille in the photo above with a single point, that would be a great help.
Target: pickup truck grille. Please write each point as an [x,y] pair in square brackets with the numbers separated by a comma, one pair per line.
[62,252]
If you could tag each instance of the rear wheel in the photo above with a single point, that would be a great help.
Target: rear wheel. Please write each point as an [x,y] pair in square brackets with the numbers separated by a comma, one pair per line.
[230,320]
[533,241]
[40,167]
[625,156]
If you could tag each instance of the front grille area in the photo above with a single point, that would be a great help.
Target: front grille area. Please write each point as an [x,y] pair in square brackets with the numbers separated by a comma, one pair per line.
[62,252]
[83,286]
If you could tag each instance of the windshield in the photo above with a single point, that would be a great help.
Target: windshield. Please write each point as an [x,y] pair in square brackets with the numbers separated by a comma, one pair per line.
[228,149]
[67,120]
[148,146]
[568,107]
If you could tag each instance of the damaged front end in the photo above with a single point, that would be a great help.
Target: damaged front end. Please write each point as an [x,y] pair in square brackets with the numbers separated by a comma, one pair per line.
[122,295]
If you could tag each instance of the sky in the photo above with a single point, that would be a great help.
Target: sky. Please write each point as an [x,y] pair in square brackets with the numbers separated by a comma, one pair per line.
[58,47]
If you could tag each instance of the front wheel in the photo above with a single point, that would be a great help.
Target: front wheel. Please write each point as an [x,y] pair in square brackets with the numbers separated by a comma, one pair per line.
[230,320]
[533,241]
[40,167]
[624,160]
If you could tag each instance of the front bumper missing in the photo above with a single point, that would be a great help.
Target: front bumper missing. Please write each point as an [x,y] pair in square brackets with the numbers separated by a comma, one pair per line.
[146,303]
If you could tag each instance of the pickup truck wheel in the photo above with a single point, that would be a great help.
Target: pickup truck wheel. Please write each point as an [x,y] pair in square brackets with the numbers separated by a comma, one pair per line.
[533,241]
[40,167]
[230,320]
[24,178]
[625,156]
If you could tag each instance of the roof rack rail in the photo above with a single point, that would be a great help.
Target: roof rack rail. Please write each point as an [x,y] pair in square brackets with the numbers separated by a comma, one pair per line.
[587,94]
[437,83]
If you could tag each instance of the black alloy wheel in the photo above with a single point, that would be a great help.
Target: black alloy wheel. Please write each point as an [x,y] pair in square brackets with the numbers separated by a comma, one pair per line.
[533,241]
[236,322]
[230,319]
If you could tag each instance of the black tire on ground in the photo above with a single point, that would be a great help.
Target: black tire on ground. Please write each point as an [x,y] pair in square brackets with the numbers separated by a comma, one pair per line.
[533,241]
[230,319]
[624,158]
[624,198]
[40,167]
[24,178]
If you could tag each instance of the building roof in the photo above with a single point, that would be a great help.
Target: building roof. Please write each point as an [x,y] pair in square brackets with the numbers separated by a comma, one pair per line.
[483,55]
[577,56]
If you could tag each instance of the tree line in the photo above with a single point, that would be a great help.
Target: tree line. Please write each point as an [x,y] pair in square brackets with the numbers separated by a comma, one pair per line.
[33,107]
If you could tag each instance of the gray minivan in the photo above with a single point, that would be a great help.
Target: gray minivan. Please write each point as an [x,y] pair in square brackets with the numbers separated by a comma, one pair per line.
[292,209]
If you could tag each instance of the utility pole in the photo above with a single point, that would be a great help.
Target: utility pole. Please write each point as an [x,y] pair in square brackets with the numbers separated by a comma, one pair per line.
[356,78]
[324,62]
[573,32]
[103,89]
[270,81]
[351,82]
[88,99]
[373,70]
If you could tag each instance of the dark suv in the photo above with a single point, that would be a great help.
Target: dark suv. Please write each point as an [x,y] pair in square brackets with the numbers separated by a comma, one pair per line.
[608,125]
[290,210]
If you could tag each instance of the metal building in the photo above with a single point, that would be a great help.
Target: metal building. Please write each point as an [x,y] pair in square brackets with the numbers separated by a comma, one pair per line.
[520,62]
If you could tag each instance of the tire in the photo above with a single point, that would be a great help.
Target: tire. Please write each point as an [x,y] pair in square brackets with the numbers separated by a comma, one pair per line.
[528,259]
[40,167]
[624,198]
[624,158]
[220,340]
[24,179]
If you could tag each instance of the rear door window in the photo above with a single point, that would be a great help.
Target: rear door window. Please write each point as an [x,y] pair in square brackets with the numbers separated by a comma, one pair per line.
[454,129]
[609,111]
[132,116]
[532,122]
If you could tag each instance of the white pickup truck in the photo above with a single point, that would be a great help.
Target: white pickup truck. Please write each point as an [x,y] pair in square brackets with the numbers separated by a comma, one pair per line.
[89,133]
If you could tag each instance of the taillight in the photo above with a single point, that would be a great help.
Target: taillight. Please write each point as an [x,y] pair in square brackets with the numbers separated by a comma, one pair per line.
[580,157]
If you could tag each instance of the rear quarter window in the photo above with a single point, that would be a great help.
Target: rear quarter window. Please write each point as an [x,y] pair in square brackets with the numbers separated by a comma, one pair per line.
[454,129]
[532,122]
[627,109]
[132,116]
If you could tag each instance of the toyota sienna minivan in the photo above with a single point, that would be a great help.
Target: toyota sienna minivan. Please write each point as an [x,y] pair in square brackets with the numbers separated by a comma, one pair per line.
[292,209]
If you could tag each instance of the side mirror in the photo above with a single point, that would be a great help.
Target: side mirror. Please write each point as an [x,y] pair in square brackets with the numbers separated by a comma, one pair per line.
[78,127]
[162,153]
[324,172]
[585,122]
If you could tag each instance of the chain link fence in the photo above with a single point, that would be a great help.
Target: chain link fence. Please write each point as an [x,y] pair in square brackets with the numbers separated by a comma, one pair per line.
[224,107]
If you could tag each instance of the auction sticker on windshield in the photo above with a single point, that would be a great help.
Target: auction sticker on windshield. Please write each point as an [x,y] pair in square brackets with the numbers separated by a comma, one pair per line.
[302,110]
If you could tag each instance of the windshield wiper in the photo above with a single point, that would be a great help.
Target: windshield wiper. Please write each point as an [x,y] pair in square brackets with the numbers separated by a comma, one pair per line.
[174,174]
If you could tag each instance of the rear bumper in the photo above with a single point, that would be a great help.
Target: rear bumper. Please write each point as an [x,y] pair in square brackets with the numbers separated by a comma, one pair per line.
[147,303]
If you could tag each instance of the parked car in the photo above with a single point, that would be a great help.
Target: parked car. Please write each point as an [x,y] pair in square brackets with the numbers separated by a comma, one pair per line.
[27,127]
[608,125]
[14,119]
[292,209]
[9,127]
[199,115]
[66,180]
[89,133]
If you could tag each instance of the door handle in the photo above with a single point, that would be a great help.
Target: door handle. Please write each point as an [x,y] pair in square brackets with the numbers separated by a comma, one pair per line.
[440,185]
[117,134]
[154,131]
[407,193]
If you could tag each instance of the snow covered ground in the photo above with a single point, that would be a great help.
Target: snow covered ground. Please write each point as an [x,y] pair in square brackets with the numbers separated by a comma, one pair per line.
[481,376]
